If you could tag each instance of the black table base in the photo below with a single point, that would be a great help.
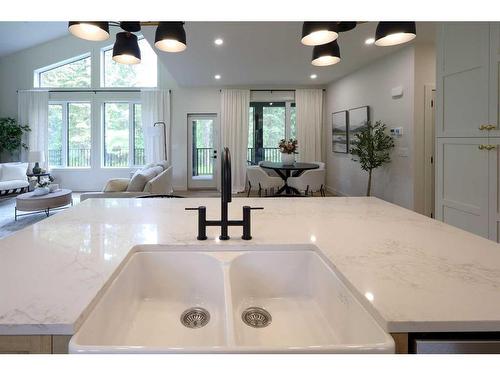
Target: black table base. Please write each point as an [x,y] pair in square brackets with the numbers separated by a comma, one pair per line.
[285,171]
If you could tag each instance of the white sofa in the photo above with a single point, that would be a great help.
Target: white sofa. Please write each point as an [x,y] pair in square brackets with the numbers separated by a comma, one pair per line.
[13,178]
[155,178]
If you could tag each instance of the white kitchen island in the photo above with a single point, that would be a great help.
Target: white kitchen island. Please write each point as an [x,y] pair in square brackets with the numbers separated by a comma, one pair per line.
[412,273]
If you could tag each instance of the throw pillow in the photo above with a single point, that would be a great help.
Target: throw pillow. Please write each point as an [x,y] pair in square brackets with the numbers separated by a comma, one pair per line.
[14,171]
[138,181]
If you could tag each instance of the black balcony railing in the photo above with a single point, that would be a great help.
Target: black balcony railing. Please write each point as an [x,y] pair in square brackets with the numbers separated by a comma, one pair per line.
[80,157]
[264,153]
[203,161]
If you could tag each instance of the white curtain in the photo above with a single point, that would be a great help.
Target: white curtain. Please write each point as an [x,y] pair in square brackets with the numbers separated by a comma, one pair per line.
[33,110]
[156,107]
[309,120]
[234,132]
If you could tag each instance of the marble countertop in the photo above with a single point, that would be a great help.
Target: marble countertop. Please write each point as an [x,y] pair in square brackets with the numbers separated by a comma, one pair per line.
[413,273]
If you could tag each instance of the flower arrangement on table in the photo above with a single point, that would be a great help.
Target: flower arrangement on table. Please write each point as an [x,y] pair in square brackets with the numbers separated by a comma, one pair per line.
[288,150]
[288,147]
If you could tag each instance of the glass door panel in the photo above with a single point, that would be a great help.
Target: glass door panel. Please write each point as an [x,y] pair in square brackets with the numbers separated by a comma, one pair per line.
[202,157]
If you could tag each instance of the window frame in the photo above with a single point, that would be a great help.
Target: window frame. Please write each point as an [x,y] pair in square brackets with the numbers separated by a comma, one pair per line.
[65,133]
[131,133]
[102,70]
[258,130]
[38,72]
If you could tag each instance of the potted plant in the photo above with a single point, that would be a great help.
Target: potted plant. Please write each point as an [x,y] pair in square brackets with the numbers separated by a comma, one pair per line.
[288,150]
[372,147]
[11,134]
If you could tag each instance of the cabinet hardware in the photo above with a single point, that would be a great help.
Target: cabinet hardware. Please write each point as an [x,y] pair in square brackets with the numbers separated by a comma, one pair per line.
[491,147]
[487,127]
[481,147]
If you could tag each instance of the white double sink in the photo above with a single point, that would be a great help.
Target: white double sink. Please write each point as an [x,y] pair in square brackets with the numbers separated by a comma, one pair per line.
[259,299]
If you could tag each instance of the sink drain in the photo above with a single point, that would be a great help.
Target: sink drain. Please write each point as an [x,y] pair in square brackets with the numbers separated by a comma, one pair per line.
[195,317]
[256,317]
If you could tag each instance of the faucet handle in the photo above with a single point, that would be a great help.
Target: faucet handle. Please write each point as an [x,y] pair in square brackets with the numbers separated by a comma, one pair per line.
[246,222]
[202,221]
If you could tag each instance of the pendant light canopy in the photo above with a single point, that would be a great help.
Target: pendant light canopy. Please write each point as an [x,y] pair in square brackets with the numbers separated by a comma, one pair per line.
[393,33]
[126,49]
[94,31]
[326,54]
[170,37]
[318,33]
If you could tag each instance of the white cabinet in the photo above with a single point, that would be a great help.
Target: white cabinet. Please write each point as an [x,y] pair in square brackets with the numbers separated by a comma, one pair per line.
[468,136]
[463,183]
[463,79]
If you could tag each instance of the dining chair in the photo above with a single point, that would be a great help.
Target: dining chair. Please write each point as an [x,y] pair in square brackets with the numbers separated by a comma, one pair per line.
[309,182]
[257,177]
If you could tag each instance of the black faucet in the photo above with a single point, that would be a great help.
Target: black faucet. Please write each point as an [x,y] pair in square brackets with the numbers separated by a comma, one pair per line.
[224,222]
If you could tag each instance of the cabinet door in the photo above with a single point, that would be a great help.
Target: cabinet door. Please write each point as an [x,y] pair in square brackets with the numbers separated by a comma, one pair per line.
[462,188]
[494,78]
[494,203]
[463,79]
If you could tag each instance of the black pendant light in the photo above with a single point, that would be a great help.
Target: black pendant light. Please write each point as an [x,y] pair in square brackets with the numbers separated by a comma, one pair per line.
[170,37]
[346,26]
[95,31]
[318,33]
[126,49]
[326,54]
[393,33]
[131,26]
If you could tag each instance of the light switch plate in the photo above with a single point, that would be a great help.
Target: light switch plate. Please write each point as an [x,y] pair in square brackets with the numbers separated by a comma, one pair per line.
[397,92]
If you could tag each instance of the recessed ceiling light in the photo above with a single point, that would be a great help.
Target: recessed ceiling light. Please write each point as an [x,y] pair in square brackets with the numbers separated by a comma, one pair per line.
[314,76]
[218,41]
[217,76]
[370,41]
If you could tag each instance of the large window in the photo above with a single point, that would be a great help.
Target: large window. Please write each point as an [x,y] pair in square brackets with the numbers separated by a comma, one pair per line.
[123,136]
[69,134]
[269,122]
[73,73]
[139,75]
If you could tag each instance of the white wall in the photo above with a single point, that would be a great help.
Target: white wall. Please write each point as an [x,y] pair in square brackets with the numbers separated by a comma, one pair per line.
[372,86]
[184,103]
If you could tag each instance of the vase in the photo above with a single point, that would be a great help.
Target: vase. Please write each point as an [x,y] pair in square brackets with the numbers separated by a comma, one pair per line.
[41,191]
[287,159]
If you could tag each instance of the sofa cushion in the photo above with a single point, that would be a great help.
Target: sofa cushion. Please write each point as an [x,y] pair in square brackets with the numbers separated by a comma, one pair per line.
[13,184]
[116,184]
[14,171]
[140,178]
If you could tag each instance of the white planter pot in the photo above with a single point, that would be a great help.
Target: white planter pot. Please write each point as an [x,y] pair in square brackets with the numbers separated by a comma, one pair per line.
[287,159]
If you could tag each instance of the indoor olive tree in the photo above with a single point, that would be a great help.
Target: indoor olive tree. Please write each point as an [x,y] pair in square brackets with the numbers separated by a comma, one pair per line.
[372,147]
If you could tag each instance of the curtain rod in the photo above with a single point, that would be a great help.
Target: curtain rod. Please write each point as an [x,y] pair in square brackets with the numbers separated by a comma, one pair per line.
[95,91]
[271,90]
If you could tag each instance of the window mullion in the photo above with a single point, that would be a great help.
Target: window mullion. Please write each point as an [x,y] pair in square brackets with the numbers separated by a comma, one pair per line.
[65,134]
[288,131]
[131,141]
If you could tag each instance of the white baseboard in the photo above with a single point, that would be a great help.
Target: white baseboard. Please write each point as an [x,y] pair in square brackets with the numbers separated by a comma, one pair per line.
[335,192]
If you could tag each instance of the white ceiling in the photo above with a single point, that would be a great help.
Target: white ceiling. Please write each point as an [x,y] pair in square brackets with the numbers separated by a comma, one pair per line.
[254,54]
[267,54]
[16,36]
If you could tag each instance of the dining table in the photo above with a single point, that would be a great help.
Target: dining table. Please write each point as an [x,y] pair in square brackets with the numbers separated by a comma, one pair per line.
[288,170]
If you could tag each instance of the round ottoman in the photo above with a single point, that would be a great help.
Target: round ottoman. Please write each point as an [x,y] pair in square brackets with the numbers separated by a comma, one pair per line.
[39,203]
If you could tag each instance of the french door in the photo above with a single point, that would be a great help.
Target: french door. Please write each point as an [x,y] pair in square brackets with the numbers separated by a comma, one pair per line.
[203,146]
